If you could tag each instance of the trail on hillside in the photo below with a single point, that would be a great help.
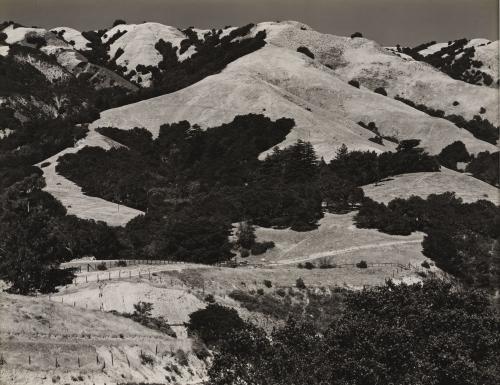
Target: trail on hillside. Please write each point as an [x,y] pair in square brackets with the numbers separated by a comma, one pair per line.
[343,251]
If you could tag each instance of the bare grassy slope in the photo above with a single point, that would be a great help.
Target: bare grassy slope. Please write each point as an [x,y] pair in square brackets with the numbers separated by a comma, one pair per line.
[423,184]
[278,82]
[91,347]
[71,195]
[374,66]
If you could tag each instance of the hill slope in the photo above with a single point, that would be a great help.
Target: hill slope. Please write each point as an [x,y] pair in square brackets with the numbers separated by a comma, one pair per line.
[373,66]
[278,82]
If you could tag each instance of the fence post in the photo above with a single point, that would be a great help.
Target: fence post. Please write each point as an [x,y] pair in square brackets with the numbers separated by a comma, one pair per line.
[86,279]
[29,360]
[109,275]
[112,360]
[97,359]
[78,361]
[156,350]
[57,363]
[128,362]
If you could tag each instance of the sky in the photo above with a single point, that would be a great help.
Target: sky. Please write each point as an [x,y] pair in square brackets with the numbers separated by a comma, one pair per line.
[408,22]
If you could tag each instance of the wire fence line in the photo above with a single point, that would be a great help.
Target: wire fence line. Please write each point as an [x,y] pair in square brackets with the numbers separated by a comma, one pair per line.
[86,357]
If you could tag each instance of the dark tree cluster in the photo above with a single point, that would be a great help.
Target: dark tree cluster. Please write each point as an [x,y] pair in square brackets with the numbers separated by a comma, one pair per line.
[485,166]
[481,128]
[427,333]
[36,236]
[364,167]
[460,237]
[306,51]
[452,154]
[454,59]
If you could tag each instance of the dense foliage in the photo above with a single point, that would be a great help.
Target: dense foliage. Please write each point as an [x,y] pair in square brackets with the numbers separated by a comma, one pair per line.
[426,334]
[460,237]
[485,166]
[452,154]
[454,59]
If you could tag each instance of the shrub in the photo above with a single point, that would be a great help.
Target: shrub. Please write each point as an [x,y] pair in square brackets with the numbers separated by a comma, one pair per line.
[455,103]
[300,265]
[356,34]
[213,323]
[325,264]
[281,292]
[268,283]
[299,284]
[381,91]
[45,164]
[362,265]
[182,357]
[102,266]
[426,265]
[353,83]
[146,359]
[261,247]
[260,291]
[3,37]
[244,253]
[482,110]
[305,51]
[210,298]
[199,349]
[121,263]
[309,265]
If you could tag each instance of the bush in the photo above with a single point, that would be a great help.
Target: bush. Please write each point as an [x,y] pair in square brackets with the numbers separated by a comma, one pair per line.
[200,350]
[244,253]
[305,51]
[102,266]
[482,110]
[146,359]
[209,298]
[426,265]
[281,292]
[260,291]
[182,357]
[362,265]
[356,34]
[45,164]
[259,248]
[213,323]
[353,83]
[309,266]
[299,284]
[121,263]
[455,103]
[381,91]
[268,283]
[3,37]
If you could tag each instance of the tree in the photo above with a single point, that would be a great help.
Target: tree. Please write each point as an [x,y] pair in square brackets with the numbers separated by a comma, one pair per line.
[245,235]
[214,323]
[453,153]
[356,34]
[381,91]
[306,51]
[119,22]
[424,334]
[31,243]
